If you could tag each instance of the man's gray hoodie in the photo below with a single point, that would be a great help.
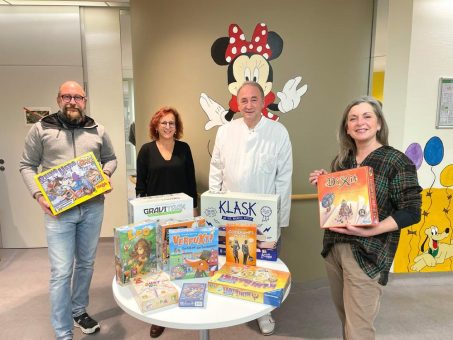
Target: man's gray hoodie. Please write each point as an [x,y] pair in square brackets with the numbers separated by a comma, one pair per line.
[51,142]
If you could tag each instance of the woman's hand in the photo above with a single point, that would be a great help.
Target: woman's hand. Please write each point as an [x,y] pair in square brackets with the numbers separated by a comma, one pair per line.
[313,177]
[384,226]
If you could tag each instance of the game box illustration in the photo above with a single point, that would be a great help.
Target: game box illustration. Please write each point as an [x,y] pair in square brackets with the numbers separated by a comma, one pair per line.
[192,294]
[163,228]
[135,250]
[347,197]
[154,291]
[251,283]
[193,252]
[240,241]
[72,182]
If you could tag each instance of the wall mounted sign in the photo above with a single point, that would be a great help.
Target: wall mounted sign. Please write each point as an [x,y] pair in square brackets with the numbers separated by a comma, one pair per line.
[445,104]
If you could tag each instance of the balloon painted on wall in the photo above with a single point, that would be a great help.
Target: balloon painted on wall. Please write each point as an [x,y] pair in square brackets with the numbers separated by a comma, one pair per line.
[415,153]
[434,151]
[250,61]
[446,176]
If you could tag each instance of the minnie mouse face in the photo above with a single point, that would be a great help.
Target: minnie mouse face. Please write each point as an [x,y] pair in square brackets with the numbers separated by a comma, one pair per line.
[250,68]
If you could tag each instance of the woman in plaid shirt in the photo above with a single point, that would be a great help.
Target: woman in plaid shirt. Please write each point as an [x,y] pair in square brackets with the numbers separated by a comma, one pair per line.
[358,259]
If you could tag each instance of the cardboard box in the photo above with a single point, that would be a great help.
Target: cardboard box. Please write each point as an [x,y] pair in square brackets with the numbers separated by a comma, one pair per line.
[163,228]
[240,243]
[73,182]
[135,250]
[193,294]
[221,208]
[251,283]
[347,197]
[154,291]
[161,207]
[193,252]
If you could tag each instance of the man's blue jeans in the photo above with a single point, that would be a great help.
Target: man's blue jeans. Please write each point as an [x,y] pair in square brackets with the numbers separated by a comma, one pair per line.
[72,238]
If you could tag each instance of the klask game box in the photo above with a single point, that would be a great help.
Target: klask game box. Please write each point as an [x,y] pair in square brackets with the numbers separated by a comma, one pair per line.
[251,283]
[161,207]
[72,182]
[154,291]
[240,242]
[163,229]
[221,208]
[193,252]
[192,294]
[135,250]
[347,197]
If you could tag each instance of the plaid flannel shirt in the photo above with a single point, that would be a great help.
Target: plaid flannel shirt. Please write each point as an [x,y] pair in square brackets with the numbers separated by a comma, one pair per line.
[397,195]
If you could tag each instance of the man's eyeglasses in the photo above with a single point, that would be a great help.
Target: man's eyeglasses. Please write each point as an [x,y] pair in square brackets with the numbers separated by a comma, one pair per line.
[67,98]
[170,124]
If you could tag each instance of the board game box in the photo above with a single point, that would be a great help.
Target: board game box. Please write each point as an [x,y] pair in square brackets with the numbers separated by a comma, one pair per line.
[154,291]
[347,197]
[193,252]
[161,207]
[163,229]
[251,283]
[72,182]
[135,250]
[220,208]
[192,294]
[240,244]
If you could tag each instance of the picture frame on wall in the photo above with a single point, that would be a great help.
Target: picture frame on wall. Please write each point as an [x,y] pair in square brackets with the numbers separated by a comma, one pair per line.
[444,118]
[35,114]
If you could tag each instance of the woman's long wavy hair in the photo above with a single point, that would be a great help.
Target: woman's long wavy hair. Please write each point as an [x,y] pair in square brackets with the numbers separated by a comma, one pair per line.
[347,144]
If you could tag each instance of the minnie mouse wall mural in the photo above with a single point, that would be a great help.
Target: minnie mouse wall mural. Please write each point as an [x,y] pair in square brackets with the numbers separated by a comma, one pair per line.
[249,61]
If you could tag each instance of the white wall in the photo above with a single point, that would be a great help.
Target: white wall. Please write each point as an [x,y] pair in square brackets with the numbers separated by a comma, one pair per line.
[420,51]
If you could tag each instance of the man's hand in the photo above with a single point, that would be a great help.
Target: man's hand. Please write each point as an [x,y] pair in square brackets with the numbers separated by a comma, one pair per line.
[110,182]
[45,206]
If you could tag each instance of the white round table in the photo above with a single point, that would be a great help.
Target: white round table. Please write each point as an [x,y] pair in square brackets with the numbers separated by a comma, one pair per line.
[219,311]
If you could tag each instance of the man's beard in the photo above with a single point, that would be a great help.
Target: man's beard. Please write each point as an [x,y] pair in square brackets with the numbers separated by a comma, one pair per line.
[72,116]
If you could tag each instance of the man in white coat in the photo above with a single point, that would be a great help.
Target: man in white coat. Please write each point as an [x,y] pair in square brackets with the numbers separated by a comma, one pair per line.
[253,154]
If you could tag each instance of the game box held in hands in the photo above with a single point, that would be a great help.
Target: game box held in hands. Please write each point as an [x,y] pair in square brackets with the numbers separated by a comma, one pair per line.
[347,198]
[72,182]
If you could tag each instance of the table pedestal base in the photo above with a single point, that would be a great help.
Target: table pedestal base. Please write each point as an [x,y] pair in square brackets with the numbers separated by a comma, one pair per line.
[204,334]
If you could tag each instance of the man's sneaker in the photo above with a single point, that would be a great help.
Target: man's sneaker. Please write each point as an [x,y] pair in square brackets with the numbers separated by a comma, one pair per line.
[267,324]
[86,324]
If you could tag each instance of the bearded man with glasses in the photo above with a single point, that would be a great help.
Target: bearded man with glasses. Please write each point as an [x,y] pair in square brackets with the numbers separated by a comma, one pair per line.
[72,236]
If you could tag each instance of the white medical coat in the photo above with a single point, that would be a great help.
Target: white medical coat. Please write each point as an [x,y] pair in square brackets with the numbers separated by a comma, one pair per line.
[257,160]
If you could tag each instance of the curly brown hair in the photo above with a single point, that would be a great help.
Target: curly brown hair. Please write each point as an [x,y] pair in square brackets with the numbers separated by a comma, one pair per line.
[163,111]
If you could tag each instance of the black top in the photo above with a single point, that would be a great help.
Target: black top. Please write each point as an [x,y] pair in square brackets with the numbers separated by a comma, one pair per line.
[157,176]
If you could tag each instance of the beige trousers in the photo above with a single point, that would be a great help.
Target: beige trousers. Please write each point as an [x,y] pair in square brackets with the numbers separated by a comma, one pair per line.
[356,296]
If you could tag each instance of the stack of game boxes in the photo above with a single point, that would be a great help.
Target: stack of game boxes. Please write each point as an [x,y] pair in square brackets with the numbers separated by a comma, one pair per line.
[221,208]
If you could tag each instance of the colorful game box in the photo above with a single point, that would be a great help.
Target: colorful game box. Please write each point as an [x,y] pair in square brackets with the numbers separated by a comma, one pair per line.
[161,207]
[256,284]
[72,182]
[135,250]
[220,208]
[164,227]
[192,295]
[193,252]
[154,291]
[241,244]
[347,197]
